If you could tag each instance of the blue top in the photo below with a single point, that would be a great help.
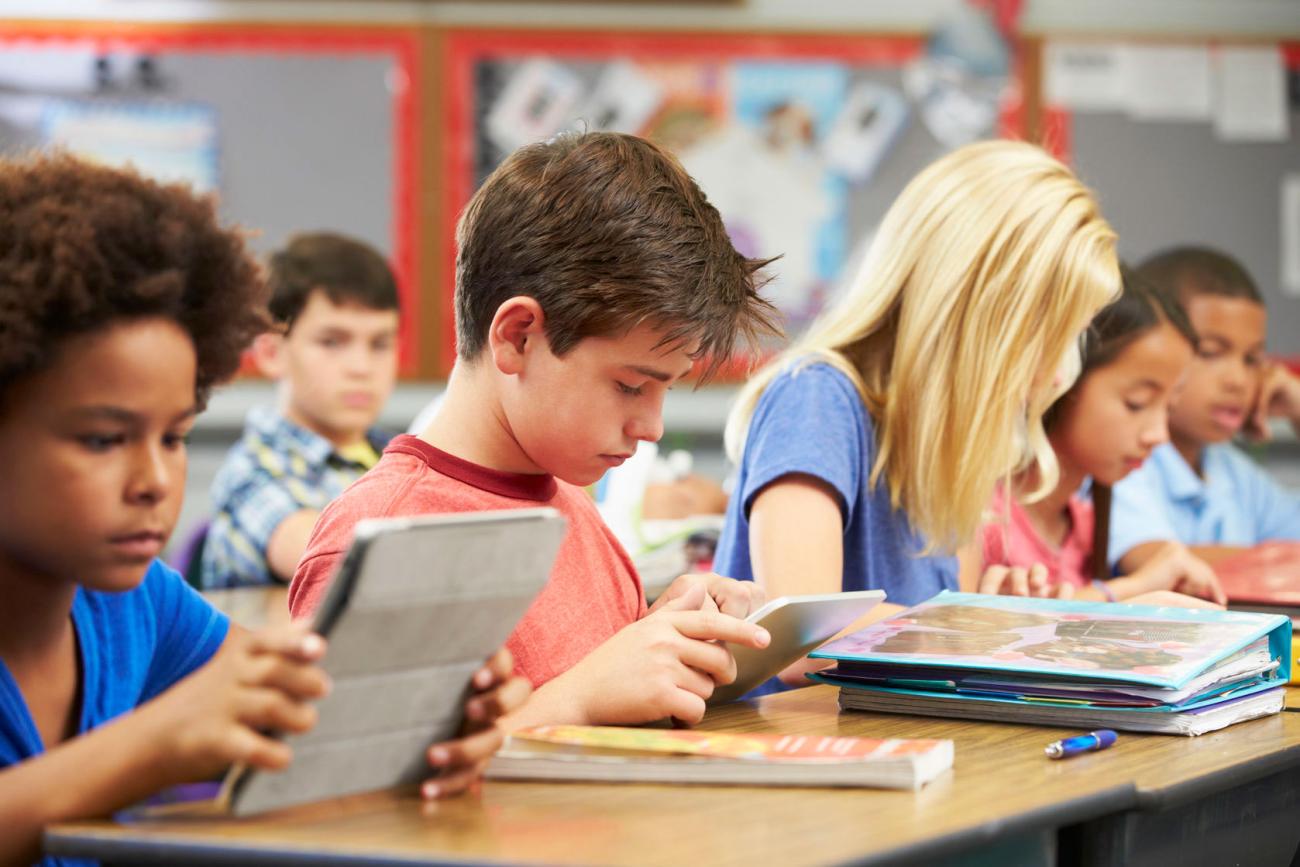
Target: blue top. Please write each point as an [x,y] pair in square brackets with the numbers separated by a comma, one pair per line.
[133,646]
[1235,504]
[811,420]
[276,469]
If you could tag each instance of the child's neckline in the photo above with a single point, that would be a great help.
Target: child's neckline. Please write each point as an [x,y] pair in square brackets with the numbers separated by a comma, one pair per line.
[538,487]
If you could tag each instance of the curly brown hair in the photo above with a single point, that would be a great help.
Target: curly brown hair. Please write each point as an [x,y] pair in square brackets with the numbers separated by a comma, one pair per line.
[83,246]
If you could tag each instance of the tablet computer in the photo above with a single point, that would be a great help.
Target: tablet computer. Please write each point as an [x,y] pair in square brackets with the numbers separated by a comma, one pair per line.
[416,607]
[798,625]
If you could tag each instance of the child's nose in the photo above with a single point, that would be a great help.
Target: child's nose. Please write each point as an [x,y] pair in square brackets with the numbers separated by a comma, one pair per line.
[151,479]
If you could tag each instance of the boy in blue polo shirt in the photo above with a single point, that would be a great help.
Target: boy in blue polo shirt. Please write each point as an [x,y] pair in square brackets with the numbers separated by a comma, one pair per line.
[335,304]
[1198,488]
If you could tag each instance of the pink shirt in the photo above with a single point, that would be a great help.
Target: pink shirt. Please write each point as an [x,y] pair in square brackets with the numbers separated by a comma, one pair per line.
[593,592]
[1017,543]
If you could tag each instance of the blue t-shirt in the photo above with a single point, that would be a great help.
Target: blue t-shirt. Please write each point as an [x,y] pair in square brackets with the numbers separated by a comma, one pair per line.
[133,646]
[1236,503]
[811,420]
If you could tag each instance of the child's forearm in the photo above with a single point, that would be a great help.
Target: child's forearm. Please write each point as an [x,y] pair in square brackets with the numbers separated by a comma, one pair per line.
[89,776]
[556,702]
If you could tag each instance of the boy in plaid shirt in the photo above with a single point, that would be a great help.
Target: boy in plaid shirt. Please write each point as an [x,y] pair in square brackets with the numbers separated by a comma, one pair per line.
[335,357]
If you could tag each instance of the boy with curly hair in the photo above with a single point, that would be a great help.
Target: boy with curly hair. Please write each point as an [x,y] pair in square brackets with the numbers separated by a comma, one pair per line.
[122,302]
[592,274]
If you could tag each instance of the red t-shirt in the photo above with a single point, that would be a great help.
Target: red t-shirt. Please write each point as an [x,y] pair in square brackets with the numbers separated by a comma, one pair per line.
[593,591]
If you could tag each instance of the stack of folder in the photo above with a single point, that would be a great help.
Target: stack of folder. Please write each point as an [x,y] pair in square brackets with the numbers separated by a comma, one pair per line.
[1066,663]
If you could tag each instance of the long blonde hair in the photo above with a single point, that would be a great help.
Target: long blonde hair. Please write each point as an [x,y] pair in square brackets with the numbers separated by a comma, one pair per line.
[981,276]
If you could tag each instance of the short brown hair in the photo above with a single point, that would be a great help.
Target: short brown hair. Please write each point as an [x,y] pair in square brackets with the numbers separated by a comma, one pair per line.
[345,269]
[1186,272]
[86,246]
[606,231]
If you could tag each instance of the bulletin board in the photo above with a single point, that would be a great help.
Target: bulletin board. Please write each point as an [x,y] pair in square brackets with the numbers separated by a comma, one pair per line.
[295,128]
[800,141]
[1165,182]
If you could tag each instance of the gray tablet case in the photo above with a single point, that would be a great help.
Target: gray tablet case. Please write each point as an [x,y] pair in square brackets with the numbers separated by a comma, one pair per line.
[416,607]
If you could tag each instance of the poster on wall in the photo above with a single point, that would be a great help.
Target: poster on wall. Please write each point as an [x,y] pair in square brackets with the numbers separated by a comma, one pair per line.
[787,137]
[168,142]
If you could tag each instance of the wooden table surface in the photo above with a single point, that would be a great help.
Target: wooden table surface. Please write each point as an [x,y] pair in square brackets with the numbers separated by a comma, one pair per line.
[1001,784]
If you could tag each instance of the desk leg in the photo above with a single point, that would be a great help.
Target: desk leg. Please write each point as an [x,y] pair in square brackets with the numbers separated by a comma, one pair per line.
[1256,823]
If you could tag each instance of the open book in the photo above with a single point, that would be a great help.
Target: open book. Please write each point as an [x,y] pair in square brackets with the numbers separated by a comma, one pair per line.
[1067,663]
[610,754]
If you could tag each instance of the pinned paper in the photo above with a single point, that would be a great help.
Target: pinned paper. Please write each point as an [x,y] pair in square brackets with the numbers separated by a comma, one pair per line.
[1084,76]
[1167,82]
[1250,94]
[624,99]
[538,102]
[1291,235]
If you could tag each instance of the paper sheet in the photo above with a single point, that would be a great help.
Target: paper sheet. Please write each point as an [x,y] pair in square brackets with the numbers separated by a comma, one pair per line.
[1084,76]
[1167,82]
[1250,94]
[1290,240]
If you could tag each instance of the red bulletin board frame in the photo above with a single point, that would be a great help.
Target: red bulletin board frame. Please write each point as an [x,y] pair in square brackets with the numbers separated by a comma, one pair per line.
[401,44]
[464,48]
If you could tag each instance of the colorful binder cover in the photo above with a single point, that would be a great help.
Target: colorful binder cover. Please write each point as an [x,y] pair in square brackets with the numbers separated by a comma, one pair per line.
[1065,653]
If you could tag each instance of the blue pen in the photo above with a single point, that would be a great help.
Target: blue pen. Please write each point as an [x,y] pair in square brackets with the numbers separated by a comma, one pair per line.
[1092,741]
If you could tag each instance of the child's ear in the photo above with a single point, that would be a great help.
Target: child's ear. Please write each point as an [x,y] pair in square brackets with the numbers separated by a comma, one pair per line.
[268,354]
[516,330]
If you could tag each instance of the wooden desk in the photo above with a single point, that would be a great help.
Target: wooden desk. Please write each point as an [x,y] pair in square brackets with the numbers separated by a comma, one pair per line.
[1003,795]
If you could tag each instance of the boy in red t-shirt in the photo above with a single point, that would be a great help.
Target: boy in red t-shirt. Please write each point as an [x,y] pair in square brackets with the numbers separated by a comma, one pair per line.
[591,274]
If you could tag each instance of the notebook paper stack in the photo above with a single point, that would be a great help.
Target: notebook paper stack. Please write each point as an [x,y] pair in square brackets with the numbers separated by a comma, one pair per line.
[1065,663]
[610,754]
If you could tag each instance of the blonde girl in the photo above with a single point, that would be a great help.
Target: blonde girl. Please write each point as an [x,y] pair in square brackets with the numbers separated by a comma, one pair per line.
[869,450]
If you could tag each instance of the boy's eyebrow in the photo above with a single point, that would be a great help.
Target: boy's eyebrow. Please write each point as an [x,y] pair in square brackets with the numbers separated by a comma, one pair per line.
[126,416]
[657,374]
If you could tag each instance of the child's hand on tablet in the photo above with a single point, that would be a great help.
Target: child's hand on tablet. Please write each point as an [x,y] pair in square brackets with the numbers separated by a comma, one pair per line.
[257,682]
[498,691]
[664,665]
[736,598]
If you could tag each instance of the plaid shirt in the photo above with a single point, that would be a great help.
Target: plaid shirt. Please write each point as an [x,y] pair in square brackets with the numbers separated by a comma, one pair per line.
[276,469]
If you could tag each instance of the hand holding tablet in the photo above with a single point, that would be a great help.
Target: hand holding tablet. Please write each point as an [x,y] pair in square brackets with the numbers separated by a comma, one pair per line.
[798,625]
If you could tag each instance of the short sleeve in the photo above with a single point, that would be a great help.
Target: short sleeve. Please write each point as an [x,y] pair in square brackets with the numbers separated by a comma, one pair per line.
[1274,511]
[258,506]
[1139,513]
[811,421]
[189,629]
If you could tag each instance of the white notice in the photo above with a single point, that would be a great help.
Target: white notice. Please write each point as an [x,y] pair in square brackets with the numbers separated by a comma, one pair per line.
[1084,76]
[1250,94]
[1167,82]
[1290,240]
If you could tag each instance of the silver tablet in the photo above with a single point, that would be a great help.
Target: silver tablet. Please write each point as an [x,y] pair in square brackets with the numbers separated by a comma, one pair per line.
[798,624]
[416,607]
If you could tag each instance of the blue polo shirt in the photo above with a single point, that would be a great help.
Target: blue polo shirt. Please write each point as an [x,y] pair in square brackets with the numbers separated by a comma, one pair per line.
[1236,503]
[133,646]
